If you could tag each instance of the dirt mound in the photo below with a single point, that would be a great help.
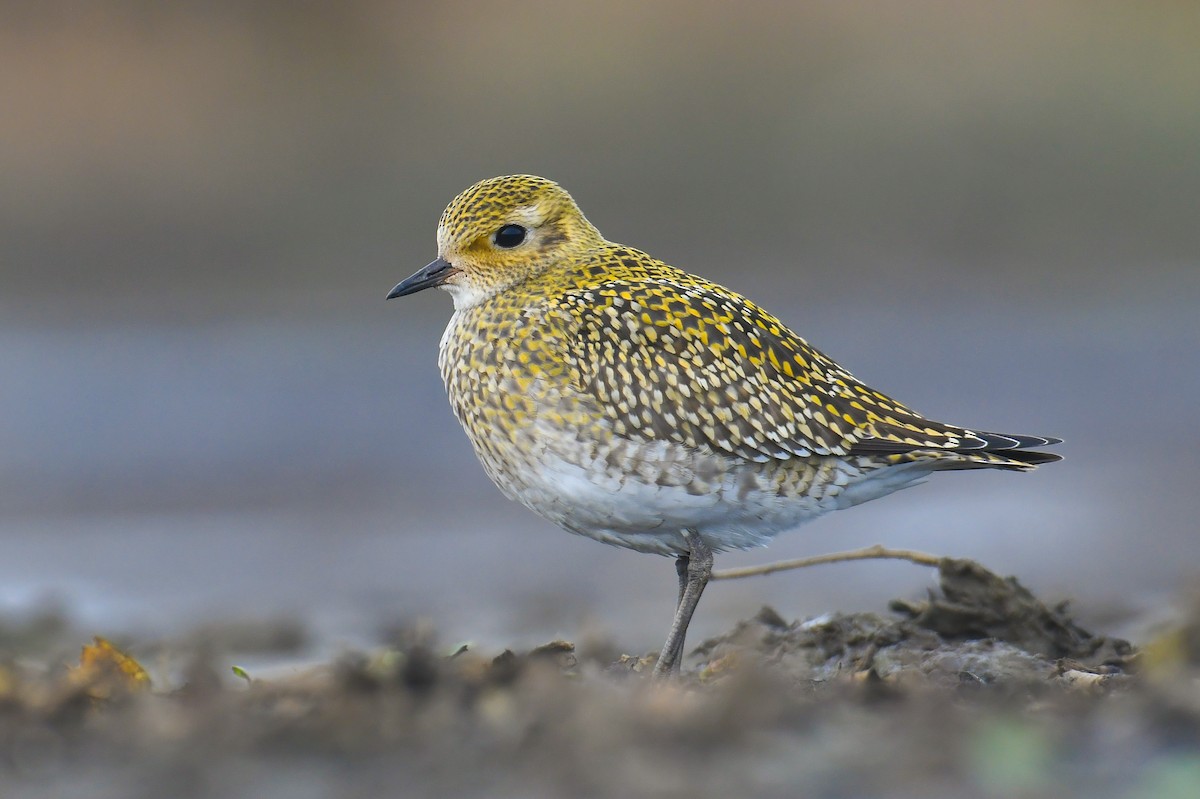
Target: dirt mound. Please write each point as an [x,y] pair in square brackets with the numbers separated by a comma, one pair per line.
[980,627]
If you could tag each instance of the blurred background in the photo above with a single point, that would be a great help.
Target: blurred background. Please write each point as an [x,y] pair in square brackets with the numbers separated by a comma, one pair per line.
[208,412]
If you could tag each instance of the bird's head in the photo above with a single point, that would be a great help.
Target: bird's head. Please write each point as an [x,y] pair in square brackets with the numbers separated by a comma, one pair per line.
[501,232]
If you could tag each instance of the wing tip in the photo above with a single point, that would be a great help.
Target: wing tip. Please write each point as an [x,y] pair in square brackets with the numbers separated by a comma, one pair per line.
[992,442]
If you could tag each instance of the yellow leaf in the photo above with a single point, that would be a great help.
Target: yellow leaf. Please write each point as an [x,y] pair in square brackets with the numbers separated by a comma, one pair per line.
[104,669]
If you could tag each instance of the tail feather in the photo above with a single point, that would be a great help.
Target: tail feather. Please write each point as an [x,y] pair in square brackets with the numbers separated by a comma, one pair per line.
[973,450]
[1018,460]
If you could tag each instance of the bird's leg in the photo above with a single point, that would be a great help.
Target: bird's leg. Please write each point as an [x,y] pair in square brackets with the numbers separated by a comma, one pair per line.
[694,577]
[681,569]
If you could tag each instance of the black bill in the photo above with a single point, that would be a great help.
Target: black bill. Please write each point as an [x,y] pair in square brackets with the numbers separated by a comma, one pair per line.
[434,274]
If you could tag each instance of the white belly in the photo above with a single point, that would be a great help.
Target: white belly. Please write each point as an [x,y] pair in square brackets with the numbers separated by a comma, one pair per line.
[664,489]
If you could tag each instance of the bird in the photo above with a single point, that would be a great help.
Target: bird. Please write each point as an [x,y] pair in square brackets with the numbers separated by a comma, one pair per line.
[643,406]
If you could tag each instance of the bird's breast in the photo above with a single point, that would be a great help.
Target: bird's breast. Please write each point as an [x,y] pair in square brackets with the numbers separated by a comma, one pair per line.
[509,385]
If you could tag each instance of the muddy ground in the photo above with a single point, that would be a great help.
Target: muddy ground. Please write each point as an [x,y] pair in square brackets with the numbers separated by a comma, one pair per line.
[978,691]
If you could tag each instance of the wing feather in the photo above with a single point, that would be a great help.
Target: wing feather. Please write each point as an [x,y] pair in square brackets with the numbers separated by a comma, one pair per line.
[674,357]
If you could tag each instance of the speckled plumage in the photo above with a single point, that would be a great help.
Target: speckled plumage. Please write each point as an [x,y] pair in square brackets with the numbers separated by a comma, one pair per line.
[640,405]
[628,400]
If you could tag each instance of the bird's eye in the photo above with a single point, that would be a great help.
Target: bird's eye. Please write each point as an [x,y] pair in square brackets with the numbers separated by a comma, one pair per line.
[509,236]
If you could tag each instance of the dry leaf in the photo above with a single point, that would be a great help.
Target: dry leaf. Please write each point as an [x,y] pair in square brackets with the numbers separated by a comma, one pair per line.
[105,670]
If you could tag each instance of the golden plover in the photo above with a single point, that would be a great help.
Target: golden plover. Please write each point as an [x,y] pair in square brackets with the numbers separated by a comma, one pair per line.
[637,404]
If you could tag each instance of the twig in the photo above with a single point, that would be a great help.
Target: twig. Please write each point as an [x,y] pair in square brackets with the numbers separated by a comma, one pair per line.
[878,551]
